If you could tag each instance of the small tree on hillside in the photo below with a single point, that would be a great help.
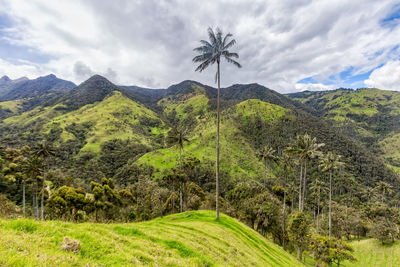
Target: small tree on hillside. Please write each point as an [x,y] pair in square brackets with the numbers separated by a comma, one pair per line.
[299,232]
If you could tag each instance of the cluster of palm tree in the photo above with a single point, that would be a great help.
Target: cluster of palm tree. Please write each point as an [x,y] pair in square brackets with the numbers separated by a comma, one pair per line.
[35,164]
[304,148]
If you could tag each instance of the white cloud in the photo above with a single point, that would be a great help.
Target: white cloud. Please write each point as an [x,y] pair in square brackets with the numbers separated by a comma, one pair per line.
[150,42]
[15,71]
[386,77]
[314,87]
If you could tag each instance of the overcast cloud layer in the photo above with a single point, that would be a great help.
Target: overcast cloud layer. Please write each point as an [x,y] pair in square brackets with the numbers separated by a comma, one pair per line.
[285,45]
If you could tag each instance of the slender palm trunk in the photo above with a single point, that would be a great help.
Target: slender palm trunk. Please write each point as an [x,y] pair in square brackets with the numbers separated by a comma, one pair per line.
[217,160]
[23,197]
[265,172]
[180,185]
[304,185]
[299,254]
[42,200]
[301,174]
[36,200]
[318,211]
[330,203]
[284,219]
[293,196]
[33,200]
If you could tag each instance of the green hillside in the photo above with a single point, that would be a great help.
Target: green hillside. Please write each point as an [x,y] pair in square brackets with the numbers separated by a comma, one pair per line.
[369,115]
[115,117]
[237,155]
[188,239]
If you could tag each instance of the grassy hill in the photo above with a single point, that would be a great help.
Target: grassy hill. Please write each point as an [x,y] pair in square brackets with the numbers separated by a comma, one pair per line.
[186,239]
[237,155]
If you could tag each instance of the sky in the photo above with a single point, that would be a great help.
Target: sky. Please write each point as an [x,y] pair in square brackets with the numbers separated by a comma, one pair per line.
[284,45]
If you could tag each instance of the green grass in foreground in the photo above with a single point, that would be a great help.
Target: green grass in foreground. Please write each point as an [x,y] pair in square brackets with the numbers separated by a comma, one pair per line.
[186,239]
[370,252]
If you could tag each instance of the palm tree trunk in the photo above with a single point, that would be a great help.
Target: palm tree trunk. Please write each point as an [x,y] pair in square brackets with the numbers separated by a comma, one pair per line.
[23,198]
[33,200]
[284,219]
[318,212]
[304,185]
[217,160]
[36,200]
[180,185]
[42,200]
[299,254]
[330,203]
[265,172]
[301,174]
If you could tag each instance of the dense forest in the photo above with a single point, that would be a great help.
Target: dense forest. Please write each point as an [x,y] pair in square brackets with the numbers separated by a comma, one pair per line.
[290,168]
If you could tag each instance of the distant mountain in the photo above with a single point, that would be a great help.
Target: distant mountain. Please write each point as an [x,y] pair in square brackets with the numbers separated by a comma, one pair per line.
[6,84]
[25,88]
[95,89]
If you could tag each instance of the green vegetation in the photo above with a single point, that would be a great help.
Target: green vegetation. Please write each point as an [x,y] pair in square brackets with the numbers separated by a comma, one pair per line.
[116,115]
[13,105]
[371,252]
[187,239]
[132,155]
[369,115]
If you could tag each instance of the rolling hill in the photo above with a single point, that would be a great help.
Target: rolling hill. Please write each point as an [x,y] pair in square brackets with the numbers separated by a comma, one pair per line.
[97,112]
[371,116]
[187,239]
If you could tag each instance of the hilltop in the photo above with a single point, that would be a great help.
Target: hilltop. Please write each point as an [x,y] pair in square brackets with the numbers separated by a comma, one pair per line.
[188,239]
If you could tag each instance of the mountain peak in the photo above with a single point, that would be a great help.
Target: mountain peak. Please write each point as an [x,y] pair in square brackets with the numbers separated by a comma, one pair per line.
[5,78]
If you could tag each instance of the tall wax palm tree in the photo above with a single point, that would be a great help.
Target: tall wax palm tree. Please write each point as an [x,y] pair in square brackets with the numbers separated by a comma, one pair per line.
[318,186]
[44,150]
[210,53]
[304,148]
[267,154]
[286,163]
[329,163]
[178,136]
[31,167]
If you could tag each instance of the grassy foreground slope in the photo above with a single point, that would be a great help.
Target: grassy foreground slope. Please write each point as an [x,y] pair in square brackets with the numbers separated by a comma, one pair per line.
[370,252]
[186,239]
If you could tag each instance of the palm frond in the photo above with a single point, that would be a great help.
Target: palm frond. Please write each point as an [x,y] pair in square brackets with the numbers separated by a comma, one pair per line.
[230,44]
[203,65]
[211,36]
[226,39]
[202,57]
[237,64]
[228,54]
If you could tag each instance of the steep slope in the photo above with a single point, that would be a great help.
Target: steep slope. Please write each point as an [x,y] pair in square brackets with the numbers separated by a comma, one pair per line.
[238,157]
[188,239]
[116,117]
[24,88]
[92,113]
[6,84]
[369,115]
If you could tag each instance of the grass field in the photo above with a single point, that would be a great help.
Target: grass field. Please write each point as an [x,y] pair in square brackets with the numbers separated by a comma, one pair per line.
[186,239]
[370,252]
